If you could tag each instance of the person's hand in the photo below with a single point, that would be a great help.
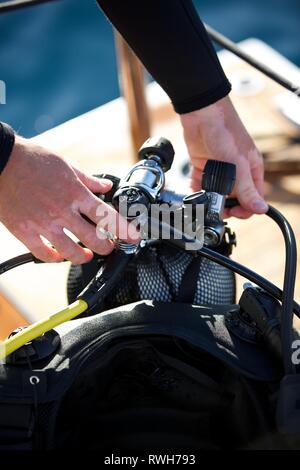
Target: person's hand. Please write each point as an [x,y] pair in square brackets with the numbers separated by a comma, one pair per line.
[41,195]
[216,132]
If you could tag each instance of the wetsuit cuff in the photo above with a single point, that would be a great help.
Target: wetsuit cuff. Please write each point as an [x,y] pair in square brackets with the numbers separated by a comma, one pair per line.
[203,100]
[7,140]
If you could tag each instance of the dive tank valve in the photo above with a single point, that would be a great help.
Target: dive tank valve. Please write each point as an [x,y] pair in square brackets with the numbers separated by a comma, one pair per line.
[217,181]
[143,184]
[146,179]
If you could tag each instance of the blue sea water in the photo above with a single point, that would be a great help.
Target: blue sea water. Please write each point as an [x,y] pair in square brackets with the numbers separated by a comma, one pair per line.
[58,61]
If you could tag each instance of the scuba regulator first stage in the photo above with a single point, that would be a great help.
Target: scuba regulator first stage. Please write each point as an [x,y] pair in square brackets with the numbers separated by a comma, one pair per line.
[145,185]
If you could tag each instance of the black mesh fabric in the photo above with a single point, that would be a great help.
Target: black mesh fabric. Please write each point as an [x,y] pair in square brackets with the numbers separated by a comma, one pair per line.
[157,274]
[160,276]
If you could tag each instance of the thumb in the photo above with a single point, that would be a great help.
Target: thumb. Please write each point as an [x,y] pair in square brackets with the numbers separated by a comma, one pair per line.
[195,178]
[247,193]
[95,185]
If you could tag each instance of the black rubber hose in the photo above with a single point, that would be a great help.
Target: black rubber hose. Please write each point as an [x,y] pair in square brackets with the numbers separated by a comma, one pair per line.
[288,303]
[248,274]
[12,5]
[289,306]
[17,261]
[178,239]
[106,278]
[236,50]
[288,287]
[217,37]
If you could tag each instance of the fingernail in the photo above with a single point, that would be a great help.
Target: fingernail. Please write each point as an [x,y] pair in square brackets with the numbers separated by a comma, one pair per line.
[106,182]
[260,206]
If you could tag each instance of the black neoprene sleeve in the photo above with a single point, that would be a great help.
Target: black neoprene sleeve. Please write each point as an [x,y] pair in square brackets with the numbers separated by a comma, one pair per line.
[7,140]
[171,41]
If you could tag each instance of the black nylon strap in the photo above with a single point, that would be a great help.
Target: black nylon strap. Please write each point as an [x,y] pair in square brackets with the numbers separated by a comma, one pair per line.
[188,286]
[7,140]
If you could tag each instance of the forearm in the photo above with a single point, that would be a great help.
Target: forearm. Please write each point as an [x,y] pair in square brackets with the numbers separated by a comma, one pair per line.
[171,41]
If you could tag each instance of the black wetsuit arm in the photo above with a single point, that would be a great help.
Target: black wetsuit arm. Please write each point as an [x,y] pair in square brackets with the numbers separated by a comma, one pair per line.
[171,41]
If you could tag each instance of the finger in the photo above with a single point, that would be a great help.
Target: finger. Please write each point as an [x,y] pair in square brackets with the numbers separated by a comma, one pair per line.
[67,248]
[41,249]
[247,193]
[226,214]
[87,234]
[257,172]
[239,212]
[108,218]
[96,185]
[196,179]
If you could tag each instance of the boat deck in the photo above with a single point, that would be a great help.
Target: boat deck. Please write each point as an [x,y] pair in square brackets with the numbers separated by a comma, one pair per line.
[99,142]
